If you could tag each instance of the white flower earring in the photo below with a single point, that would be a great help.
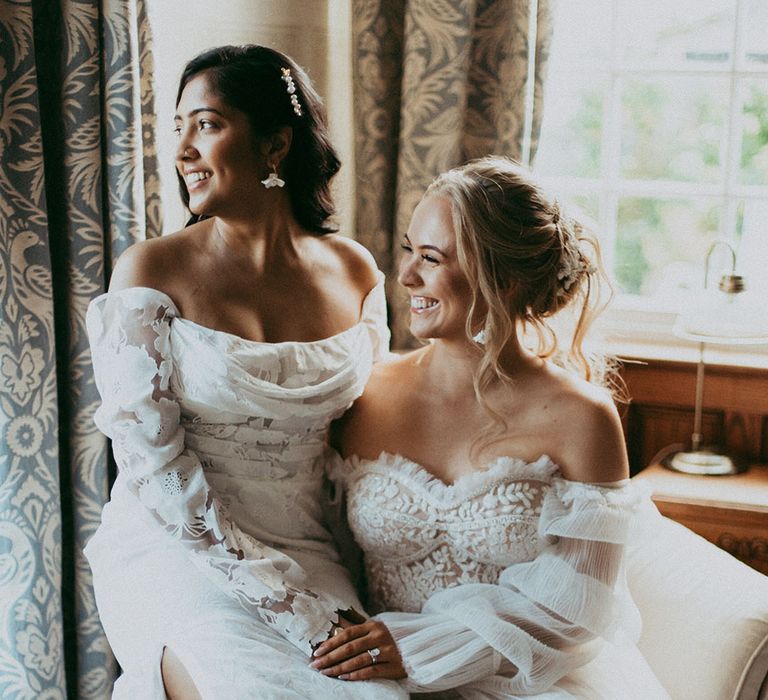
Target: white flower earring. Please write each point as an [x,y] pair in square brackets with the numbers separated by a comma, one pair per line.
[479,338]
[273,179]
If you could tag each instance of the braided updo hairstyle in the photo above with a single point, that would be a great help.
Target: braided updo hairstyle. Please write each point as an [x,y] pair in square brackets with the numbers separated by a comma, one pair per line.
[525,261]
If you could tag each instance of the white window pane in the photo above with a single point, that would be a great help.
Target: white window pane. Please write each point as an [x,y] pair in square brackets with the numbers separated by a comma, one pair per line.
[677,33]
[585,207]
[754,135]
[755,20]
[573,22]
[674,128]
[572,126]
[661,243]
[752,250]
[656,125]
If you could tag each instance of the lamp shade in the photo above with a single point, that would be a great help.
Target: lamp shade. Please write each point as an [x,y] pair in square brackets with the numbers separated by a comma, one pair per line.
[729,314]
[724,317]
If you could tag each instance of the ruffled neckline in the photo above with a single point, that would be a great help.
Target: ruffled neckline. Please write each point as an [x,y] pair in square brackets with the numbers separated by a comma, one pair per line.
[496,471]
[467,485]
[173,312]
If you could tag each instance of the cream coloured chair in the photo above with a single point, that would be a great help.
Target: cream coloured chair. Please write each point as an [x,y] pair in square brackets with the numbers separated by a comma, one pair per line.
[705,615]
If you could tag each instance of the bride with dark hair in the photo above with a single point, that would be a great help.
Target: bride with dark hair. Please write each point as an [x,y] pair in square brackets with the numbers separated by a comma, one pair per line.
[222,353]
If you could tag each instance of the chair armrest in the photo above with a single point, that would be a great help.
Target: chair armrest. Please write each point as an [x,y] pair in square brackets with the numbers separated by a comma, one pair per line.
[754,680]
[704,613]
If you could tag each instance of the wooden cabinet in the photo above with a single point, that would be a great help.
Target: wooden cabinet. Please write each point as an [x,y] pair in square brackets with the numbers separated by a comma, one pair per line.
[660,412]
[730,511]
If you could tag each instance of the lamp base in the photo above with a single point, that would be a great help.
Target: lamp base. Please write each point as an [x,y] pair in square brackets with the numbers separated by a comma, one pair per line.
[705,462]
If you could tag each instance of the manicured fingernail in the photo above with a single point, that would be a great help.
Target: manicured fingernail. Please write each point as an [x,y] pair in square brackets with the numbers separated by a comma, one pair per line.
[315,664]
[343,676]
[318,651]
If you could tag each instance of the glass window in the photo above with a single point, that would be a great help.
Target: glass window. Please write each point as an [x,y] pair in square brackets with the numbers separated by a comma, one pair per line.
[656,126]
[754,55]
[680,34]
[673,128]
[658,240]
[754,132]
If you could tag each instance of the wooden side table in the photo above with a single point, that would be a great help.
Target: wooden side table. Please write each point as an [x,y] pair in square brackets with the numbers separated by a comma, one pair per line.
[730,511]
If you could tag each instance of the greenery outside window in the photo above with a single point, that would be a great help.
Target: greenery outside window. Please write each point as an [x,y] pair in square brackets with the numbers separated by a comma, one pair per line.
[656,127]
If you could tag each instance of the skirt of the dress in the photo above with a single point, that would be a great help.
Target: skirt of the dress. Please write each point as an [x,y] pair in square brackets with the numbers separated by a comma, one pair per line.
[151,596]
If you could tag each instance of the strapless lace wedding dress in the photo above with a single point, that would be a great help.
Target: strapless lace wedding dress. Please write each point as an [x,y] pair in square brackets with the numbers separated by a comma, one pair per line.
[214,543]
[508,583]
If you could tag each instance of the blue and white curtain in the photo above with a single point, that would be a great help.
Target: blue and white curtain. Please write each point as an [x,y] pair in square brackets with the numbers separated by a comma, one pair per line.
[77,186]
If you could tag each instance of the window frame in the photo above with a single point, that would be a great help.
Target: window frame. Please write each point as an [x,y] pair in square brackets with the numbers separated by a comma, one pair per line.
[636,324]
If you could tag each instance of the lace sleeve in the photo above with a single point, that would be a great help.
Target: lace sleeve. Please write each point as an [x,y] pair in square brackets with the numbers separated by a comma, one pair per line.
[129,332]
[544,617]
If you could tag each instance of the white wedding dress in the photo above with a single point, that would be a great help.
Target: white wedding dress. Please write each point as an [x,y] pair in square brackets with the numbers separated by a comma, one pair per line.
[213,543]
[512,567]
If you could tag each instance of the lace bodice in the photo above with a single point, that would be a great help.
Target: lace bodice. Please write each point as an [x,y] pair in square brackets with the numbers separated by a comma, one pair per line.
[421,536]
[508,576]
[220,443]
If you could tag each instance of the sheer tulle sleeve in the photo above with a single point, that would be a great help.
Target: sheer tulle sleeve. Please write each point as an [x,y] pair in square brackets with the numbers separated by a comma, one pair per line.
[129,332]
[545,616]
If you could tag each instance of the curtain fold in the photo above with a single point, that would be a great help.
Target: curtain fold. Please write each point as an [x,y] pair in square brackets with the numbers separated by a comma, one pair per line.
[76,188]
[435,84]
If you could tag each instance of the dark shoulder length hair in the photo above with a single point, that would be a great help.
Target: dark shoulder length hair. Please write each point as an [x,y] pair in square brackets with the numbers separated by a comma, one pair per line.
[249,78]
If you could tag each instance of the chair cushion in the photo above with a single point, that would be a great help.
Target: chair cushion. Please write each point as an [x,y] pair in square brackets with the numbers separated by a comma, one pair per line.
[705,614]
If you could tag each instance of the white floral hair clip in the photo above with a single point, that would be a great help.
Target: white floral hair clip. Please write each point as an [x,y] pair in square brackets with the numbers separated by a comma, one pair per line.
[291,90]
[573,264]
[572,269]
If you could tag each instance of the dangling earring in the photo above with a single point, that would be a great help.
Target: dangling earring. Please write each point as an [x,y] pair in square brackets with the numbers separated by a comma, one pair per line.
[273,179]
[479,338]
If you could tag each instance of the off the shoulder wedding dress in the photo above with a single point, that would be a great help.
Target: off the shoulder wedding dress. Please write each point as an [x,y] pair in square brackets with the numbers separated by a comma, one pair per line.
[213,543]
[506,584]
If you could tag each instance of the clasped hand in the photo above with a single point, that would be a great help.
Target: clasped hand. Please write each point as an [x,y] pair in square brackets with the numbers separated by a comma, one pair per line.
[350,654]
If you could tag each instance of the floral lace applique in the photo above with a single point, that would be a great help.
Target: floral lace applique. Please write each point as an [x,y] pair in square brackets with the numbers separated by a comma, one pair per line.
[421,536]
[512,573]
[130,335]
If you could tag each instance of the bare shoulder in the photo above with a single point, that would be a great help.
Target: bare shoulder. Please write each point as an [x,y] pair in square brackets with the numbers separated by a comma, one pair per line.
[591,439]
[152,263]
[400,370]
[372,421]
[354,258]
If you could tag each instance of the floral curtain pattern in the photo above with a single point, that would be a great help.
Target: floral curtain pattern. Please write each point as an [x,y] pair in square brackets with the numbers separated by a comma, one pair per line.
[437,83]
[76,188]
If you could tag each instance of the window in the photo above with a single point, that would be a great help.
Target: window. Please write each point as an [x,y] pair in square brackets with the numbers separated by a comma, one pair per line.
[656,127]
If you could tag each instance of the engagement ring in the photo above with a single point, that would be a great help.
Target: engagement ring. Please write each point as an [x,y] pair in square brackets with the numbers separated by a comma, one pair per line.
[374,653]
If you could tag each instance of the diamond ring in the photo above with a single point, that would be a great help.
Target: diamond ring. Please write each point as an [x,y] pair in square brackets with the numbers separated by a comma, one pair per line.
[373,653]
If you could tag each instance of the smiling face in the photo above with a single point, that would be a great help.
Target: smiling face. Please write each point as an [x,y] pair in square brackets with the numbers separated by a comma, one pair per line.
[430,271]
[217,154]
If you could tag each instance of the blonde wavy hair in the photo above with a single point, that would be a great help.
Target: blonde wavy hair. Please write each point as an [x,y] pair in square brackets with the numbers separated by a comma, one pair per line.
[526,262]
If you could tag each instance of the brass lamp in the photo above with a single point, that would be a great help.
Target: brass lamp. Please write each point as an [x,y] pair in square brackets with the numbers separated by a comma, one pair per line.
[726,315]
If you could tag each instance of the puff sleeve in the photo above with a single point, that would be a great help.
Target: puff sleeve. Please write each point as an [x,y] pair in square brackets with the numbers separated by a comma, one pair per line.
[129,332]
[545,617]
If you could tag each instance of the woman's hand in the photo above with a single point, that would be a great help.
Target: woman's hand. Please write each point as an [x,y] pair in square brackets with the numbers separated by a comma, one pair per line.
[351,654]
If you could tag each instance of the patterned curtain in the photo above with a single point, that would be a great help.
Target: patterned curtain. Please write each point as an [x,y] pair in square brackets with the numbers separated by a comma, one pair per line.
[77,186]
[437,82]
